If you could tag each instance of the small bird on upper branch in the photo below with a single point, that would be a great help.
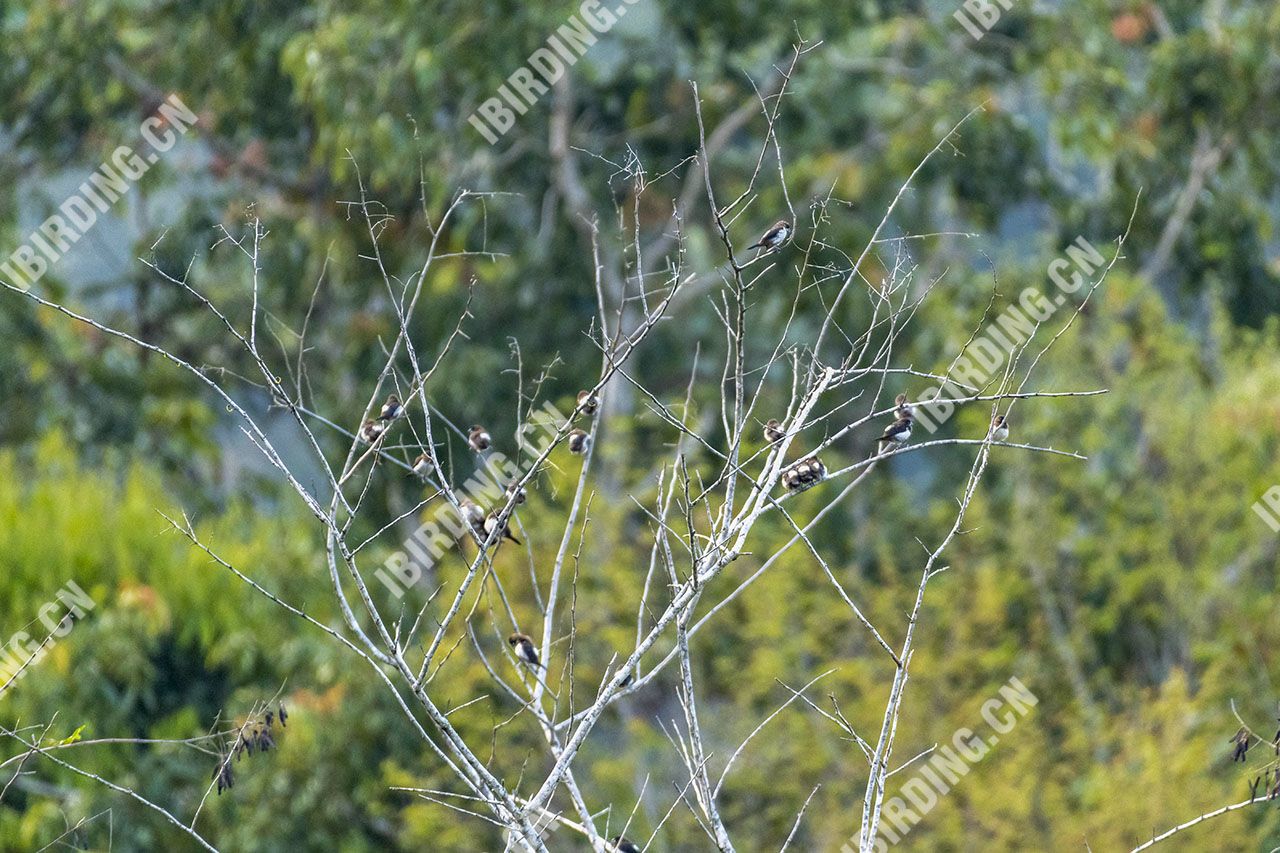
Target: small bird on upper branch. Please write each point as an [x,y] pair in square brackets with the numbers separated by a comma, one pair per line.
[479,439]
[774,237]
[391,409]
[524,648]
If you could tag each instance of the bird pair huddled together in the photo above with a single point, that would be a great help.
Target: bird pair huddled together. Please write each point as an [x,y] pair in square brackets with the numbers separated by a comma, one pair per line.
[798,476]
[485,524]
[372,430]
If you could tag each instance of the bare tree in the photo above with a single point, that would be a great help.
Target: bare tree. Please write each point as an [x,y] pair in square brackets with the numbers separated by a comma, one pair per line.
[718,483]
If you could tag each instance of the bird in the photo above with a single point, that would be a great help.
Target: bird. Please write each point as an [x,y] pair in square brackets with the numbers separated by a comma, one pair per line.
[999,428]
[897,432]
[579,441]
[805,474]
[391,409]
[473,515]
[479,439]
[1241,740]
[524,648]
[622,845]
[516,490]
[901,408]
[422,465]
[371,431]
[495,521]
[773,432]
[588,402]
[774,237]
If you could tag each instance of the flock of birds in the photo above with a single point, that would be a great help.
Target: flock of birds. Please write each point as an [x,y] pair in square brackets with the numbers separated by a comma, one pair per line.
[796,477]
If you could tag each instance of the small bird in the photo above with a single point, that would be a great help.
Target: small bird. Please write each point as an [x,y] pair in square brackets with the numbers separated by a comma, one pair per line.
[773,432]
[479,439]
[473,515]
[422,465]
[371,431]
[588,402]
[622,845]
[897,432]
[805,474]
[391,409]
[517,491]
[1241,740]
[579,441]
[493,521]
[524,648]
[901,407]
[999,428]
[774,237]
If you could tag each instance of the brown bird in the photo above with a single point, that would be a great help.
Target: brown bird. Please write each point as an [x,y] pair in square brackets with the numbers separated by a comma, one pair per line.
[391,409]
[473,515]
[588,402]
[517,491]
[524,648]
[479,439]
[1241,740]
[622,845]
[897,432]
[805,474]
[773,432]
[999,428]
[494,521]
[774,237]
[422,465]
[579,441]
[371,431]
[901,407]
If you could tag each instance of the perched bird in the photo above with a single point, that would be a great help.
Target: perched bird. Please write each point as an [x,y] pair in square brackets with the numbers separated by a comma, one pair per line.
[495,521]
[999,428]
[901,407]
[1241,740]
[897,432]
[517,491]
[473,515]
[523,646]
[622,845]
[371,431]
[805,474]
[579,441]
[588,402]
[774,237]
[391,409]
[479,439]
[422,465]
[773,432]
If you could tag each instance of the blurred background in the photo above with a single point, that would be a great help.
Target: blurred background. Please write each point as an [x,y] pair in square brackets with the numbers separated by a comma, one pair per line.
[1134,593]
